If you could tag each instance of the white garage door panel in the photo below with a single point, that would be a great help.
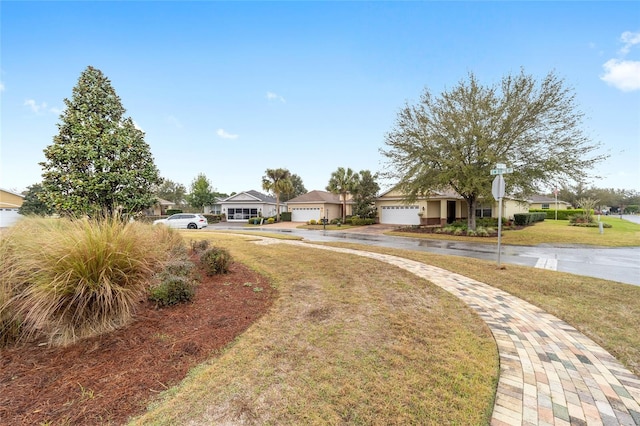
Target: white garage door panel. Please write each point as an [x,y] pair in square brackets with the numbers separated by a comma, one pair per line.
[305,214]
[8,217]
[400,215]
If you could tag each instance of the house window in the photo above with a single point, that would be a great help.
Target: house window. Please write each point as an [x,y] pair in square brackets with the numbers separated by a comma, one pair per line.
[483,211]
[241,214]
[545,205]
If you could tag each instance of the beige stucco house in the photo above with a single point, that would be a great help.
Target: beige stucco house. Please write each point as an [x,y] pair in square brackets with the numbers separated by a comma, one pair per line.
[543,202]
[317,205]
[10,203]
[439,208]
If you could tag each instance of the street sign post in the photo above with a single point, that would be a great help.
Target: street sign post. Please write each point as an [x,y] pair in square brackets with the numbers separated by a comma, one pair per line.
[497,190]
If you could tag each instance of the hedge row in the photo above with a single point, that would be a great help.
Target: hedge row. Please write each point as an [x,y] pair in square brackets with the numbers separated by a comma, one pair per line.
[562,214]
[524,219]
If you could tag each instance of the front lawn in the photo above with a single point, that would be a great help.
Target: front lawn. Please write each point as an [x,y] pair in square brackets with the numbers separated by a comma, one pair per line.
[622,234]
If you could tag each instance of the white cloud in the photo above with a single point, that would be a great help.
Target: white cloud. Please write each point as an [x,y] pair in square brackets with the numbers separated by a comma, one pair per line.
[629,39]
[275,97]
[623,75]
[1,86]
[35,107]
[224,135]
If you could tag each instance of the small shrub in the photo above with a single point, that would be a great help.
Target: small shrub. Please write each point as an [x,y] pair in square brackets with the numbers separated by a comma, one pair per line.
[272,220]
[438,230]
[481,232]
[312,222]
[458,231]
[172,289]
[181,266]
[471,233]
[199,246]
[335,221]
[285,216]
[215,260]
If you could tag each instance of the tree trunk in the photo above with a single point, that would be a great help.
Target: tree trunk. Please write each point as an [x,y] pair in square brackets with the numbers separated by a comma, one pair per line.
[277,207]
[471,212]
[344,207]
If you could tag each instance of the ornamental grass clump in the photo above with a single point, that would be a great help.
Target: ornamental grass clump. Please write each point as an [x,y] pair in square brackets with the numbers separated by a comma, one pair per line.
[72,279]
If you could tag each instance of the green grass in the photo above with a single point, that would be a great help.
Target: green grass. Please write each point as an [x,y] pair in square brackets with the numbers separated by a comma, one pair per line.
[349,340]
[622,234]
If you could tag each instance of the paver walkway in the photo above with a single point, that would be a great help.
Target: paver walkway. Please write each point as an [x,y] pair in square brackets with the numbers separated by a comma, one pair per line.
[550,373]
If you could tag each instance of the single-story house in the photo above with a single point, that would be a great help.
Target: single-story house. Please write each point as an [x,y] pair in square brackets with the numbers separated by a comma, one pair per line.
[215,208]
[439,208]
[10,203]
[160,208]
[543,202]
[317,205]
[245,205]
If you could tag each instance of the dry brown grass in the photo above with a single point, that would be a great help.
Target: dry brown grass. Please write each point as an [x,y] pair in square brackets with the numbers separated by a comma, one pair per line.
[349,340]
[606,311]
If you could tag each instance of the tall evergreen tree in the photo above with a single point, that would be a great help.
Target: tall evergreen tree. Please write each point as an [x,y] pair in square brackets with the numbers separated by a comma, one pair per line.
[99,163]
[297,188]
[364,195]
[172,191]
[32,204]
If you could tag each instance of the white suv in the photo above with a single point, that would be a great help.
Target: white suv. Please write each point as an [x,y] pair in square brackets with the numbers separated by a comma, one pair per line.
[184,220]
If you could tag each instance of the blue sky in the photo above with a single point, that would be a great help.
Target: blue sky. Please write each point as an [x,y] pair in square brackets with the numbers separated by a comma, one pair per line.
[230,89]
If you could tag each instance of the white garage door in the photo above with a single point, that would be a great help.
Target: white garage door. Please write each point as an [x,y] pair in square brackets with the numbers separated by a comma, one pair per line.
[400,215]
[305,214]
[8,217]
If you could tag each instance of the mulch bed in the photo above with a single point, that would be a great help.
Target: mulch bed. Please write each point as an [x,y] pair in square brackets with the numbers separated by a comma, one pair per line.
[109,378]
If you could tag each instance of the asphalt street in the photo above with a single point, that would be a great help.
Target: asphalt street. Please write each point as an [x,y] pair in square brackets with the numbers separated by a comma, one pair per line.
[616,264]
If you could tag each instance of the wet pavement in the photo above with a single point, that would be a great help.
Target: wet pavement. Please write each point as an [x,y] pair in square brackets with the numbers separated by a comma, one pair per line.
[616,264]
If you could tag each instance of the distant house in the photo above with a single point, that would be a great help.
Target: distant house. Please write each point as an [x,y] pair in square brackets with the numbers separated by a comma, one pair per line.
[248,204]
[440,208]
[317,205]
[215,208]
[160,208]
[544,202]
[10,203]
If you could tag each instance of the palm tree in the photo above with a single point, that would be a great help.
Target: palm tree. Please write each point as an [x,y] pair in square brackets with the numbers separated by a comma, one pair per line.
[277,181]
[343,182]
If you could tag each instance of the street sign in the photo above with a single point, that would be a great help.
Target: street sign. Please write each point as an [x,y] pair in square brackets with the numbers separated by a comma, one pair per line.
[497,187]
[501,171]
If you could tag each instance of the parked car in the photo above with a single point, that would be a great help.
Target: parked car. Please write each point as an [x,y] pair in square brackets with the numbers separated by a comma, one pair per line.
[184,220]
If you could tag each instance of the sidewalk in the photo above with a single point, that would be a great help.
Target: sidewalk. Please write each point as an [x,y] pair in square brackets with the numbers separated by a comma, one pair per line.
[550,373]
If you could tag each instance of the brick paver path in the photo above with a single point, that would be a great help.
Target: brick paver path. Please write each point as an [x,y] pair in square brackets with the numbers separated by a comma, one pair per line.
[550,373]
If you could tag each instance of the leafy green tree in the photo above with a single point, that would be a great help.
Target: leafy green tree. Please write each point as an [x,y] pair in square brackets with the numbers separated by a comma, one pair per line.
[202,194]
[172,191]
[297,188]
[365,193]
[99,162]
[277,182]
[343,182]
[454,140]
[32,204]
